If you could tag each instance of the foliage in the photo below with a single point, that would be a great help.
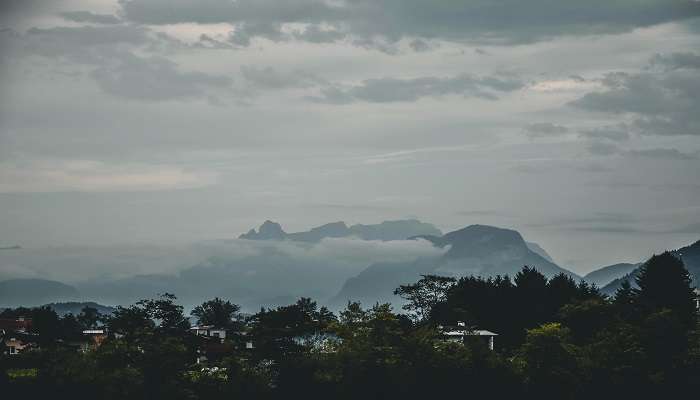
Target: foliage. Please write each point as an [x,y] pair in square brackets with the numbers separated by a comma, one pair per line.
[557,339]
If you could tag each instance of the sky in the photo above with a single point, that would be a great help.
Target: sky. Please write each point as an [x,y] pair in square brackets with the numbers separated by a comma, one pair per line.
[162,121]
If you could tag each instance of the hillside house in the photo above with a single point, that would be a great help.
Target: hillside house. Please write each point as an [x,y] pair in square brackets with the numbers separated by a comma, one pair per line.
[209,331]
[15,345]
[19,324]
[93,339]
[461,333]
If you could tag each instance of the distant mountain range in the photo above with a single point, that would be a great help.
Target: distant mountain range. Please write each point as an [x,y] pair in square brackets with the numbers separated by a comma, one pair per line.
[605,275]
[34,292]
[690,256]
[387,230]
[478,250]
[75,307]
[272,267]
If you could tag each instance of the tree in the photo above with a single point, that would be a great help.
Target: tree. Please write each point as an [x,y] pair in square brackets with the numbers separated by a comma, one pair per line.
[132,321]
[170,316]
[220,313]
[89,317]
[46,324]
[424,295]
[549,362]
[664,283]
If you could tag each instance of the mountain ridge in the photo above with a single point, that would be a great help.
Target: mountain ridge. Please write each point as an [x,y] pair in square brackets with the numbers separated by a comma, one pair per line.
[384,231]
[479,250]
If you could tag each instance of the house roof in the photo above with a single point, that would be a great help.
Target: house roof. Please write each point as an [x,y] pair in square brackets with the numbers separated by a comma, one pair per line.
[477,332]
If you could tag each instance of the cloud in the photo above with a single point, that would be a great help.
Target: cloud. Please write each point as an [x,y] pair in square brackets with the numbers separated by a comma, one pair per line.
[269,78]
[616,133]
[603,149]
[114,54]
[388,90]
[94,176]
[156,79]
[89,17]
[608,149]
[661,102]
[503,21]
[545,129]
[664,154]
[675,61]
[691,228]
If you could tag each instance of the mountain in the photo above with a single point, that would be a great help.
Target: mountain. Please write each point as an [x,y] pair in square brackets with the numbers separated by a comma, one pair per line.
[475,250]
[268,231]
[537,249]
[689,254]
[605,275]
[34,292]
[74,307]
[386,231]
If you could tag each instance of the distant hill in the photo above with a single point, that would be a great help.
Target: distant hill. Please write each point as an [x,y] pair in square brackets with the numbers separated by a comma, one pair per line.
[478,250]
[34,292]
[537,249]
[74,307]
[690,256]
[605,275]
[387,230]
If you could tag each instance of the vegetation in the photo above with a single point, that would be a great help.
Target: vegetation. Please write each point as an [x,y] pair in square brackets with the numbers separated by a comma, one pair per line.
[558,339]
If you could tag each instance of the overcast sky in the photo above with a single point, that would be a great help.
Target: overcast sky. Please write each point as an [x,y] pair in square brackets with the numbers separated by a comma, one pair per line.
[576,123]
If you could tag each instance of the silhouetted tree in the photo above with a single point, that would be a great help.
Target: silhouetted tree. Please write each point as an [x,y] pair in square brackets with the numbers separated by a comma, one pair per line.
[664,283]
[219,313]
[424,295]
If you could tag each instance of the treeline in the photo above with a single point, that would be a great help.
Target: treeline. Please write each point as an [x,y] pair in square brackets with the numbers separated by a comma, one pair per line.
[558,339]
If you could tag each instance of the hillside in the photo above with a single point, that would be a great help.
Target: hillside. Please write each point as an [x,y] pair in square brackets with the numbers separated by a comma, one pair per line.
[689,254]
[478,250]
[606,275]
[34,292]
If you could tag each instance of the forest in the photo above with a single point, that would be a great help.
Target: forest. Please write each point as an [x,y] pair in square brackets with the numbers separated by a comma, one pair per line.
[556,339]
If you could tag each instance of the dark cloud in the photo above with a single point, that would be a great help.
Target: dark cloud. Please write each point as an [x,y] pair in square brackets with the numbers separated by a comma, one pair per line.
[544,129]
[87,16]
[663,102]
[111,52]
[504,21]
[387,90]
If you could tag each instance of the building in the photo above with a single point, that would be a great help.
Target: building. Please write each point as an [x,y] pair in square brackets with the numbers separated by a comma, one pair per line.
[19,324]
[93,339]
[15,345]
[209,331]
[461,333]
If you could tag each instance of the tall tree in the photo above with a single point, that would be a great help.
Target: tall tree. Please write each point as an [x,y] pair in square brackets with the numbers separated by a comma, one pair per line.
[664,283]
[217,312]
[169,315]
[89,317]
[424,295]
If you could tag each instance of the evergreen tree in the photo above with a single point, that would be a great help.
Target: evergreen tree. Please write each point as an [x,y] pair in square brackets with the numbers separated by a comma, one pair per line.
[664,283]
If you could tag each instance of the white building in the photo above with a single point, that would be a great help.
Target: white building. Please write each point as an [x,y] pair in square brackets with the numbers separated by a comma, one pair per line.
[460,333]
[209,330]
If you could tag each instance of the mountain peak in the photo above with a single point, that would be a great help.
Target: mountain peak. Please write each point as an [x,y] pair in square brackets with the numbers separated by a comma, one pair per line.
[387,230]
[269,230]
